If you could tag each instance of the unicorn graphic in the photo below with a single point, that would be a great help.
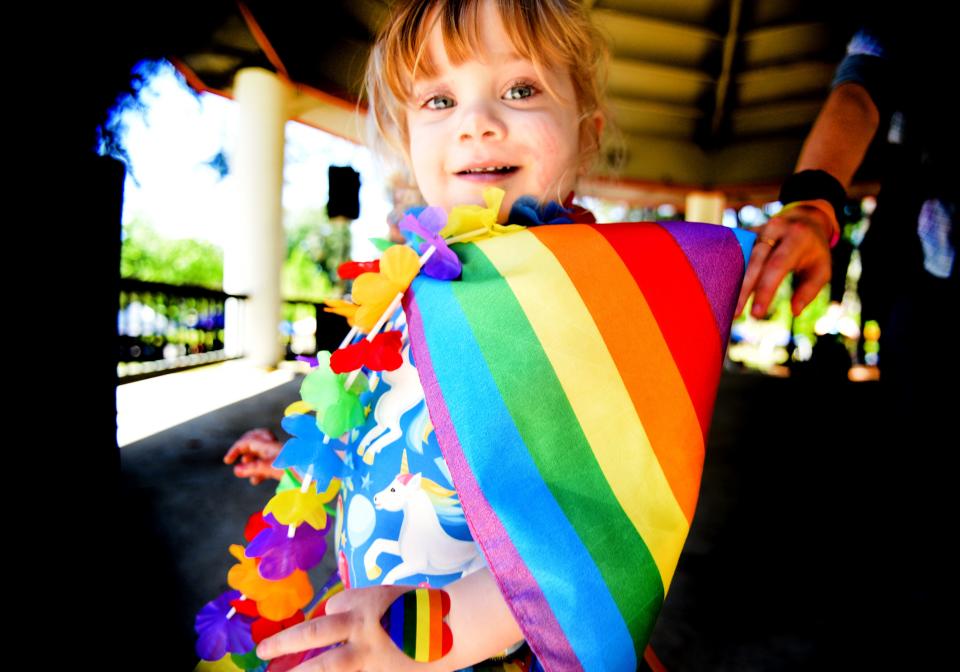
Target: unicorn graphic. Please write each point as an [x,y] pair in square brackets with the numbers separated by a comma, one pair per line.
[423,546]
[404,393]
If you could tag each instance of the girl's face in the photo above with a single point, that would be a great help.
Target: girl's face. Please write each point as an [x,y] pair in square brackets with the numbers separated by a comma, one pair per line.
[492,123]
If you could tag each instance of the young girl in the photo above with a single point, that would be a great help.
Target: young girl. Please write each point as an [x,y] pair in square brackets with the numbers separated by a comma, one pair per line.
[574,516]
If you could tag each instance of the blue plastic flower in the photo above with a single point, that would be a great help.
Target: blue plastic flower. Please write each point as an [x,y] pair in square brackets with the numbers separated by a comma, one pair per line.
[307,449]
[528,211]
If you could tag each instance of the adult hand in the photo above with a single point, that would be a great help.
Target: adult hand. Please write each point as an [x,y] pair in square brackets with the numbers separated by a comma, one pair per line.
[352,617]
[797,241]
[256,451]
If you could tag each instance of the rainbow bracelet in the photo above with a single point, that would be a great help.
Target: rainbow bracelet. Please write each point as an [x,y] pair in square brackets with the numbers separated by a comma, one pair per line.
[415,624]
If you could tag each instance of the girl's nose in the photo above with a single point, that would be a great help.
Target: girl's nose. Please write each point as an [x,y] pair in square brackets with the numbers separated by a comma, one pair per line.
[479,122]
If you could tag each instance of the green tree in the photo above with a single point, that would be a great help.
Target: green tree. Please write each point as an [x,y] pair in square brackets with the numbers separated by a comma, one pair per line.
[312,246]
[146,255]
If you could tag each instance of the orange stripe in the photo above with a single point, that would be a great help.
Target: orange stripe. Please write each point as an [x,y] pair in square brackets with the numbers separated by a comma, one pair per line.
[637,346]
[436,619]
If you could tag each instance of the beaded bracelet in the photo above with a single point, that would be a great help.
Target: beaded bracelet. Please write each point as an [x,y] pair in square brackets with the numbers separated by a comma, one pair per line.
[809,186]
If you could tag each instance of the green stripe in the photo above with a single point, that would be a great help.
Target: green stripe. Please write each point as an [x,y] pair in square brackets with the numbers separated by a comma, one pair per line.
[410,623]
[556,442]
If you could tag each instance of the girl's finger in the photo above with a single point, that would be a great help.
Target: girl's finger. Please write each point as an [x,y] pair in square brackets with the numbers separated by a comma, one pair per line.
[312,634]
[370,600]
[344,658]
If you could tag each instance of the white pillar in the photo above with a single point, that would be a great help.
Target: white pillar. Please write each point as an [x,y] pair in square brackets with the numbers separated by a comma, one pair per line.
[705,206]
[253,255]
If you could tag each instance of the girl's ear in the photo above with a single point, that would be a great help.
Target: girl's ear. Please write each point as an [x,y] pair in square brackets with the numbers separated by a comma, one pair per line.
[592,129]
[598,122]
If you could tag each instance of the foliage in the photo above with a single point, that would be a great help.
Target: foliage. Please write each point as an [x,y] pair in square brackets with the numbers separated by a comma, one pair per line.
[312,244]
[146,255]
[315,247]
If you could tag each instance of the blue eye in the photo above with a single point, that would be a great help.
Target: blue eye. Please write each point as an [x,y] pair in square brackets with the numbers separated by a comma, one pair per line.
[520,91]
[439,102]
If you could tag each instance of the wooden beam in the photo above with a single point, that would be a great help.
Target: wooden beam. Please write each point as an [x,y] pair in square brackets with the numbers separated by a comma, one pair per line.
[723,81]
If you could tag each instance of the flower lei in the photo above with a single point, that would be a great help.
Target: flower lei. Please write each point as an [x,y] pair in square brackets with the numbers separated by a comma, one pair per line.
[269,586]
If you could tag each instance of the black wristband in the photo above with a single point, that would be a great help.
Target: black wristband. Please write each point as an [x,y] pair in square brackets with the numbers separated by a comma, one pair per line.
[809,185]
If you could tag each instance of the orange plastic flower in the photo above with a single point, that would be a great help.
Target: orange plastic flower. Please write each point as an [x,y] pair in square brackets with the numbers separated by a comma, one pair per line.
[275,600]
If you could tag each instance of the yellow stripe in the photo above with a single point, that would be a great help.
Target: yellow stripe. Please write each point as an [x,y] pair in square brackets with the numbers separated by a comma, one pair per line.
[423,626]
[597,394]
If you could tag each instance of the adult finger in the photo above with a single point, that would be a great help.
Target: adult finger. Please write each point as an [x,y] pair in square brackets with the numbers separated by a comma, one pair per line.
[781,261]
[812,281]
[761,250]
[312,634]
[758,270]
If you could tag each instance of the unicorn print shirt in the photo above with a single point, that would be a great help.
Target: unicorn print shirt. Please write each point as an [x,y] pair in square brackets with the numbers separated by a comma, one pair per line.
[399,519]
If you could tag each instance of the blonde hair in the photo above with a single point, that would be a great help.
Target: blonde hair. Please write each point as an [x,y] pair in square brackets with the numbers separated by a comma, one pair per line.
[548,33]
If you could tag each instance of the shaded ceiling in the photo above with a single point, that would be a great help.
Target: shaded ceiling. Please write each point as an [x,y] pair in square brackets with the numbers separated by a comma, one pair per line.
[705,93]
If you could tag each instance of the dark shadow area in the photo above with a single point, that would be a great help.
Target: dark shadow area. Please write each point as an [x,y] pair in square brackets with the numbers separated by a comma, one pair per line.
[182,508]
[814,545]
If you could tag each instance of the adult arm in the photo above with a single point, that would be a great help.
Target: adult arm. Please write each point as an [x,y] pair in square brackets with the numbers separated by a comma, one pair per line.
[798,240]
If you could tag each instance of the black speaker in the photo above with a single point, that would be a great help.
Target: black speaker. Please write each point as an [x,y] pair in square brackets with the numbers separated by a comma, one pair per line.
[344,192]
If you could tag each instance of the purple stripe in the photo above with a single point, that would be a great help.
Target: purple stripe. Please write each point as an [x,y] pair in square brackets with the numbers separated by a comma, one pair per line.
[715,256]
[517,585]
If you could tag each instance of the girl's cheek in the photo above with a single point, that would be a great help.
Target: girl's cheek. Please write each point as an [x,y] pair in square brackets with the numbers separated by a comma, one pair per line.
[554,153]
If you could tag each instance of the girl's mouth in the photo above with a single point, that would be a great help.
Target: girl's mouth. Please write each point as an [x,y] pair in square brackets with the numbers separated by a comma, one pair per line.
[488,173]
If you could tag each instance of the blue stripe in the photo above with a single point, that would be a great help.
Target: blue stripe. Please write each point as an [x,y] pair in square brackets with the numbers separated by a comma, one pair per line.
[746,240]
[463,376]
[396,622]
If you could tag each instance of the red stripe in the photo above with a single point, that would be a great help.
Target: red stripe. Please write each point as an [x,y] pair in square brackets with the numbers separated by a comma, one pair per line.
[663,273]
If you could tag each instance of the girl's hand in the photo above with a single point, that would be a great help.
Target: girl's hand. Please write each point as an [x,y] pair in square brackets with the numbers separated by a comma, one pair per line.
[256,451]
[352,617]
[795,241]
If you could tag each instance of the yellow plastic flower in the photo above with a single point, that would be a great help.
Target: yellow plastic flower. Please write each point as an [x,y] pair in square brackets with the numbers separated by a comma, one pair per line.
[343,308]
[225,664]
[292,507]
[297,408]
[468,218]
[276,600]
[373,292]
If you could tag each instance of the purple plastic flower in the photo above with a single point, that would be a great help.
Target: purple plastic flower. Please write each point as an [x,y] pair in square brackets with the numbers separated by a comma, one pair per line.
[528,211]
[307,448]
[280,555]
[444,263]
[218,635]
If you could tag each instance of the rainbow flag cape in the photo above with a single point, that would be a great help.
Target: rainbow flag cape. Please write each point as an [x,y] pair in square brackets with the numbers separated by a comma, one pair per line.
[570,376]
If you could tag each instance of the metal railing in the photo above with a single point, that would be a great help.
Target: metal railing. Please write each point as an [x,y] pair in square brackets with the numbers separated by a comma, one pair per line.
[164,328]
